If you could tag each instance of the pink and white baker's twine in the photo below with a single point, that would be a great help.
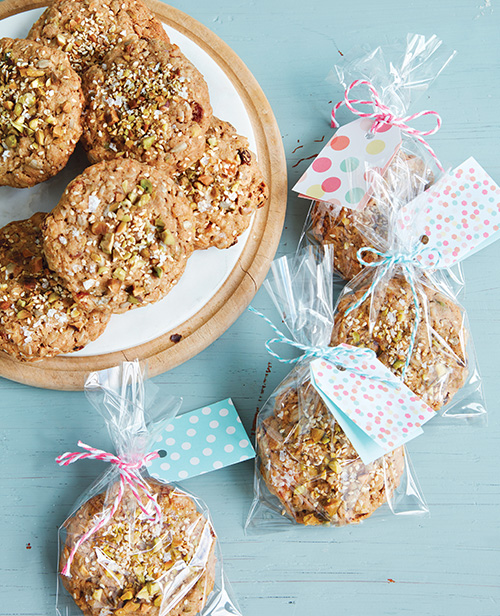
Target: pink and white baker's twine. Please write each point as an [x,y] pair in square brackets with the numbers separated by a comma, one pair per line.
[129,476]
[383,116]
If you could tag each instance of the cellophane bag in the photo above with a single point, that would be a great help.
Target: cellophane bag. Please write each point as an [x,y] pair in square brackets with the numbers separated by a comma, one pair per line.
[410,316]
[133,544]
[400,73]
[307,471]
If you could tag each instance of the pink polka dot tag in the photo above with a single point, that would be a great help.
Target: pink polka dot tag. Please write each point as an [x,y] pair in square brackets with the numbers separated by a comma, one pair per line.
[470,213]
[375,409]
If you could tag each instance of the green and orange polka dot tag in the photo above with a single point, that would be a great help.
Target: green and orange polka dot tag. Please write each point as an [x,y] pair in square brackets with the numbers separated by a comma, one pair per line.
[340,173]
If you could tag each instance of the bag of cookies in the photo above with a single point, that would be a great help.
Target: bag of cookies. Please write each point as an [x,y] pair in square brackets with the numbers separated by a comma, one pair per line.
[350,203]
[134,544]
[307,468]
[404,305]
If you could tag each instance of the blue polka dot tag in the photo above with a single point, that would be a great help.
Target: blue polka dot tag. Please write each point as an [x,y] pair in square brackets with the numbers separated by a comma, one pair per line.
[201,441]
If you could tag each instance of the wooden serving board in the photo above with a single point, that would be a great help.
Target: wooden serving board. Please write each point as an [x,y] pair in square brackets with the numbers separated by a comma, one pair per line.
[162,353]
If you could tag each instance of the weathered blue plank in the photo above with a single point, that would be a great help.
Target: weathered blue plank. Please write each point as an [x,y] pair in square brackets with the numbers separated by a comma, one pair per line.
[444,565]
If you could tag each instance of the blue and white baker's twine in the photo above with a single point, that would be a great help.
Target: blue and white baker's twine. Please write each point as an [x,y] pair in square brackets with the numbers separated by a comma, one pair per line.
[406,261]
[338,356]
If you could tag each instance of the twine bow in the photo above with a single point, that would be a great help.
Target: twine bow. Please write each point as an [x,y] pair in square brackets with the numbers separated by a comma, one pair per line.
[382,115]
[129,476]
[340,356]
[406,261]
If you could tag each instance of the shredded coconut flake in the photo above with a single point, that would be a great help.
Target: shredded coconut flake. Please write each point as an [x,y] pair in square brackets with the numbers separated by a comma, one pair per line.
[204,205]
[115,102]
[28,335]
[94,203]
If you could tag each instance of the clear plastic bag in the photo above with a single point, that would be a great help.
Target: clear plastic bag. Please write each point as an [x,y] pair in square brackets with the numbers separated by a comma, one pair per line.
[133,544]
[410,316]
[400,73]
[306,469]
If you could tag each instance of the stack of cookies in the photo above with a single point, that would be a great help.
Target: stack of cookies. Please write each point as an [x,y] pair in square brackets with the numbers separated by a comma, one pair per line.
[167,177]
[384,320]
[308,470]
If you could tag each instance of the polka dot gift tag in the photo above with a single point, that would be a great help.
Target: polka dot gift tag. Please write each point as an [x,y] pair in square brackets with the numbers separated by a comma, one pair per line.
[201,441]
[460,215]
[341,171]
[375,409]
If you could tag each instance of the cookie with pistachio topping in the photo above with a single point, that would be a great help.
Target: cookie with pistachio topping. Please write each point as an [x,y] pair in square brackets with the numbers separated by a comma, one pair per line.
[384,322]
[133,564]
[225,187]
[147,102]
[87,29]
[41,103]
[38,315]
[349,230]
[120,236]
[309,464]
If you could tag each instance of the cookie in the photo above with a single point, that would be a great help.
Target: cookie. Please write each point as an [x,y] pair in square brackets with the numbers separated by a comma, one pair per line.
[225,187]
[147,102]
[120,236]
[87,29]
[38,316]
[41,103]
[136,565]
[438,366]
[350,230]
[308,462]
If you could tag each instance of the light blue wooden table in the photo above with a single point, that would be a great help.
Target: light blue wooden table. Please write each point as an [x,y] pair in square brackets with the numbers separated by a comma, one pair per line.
[444,565]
